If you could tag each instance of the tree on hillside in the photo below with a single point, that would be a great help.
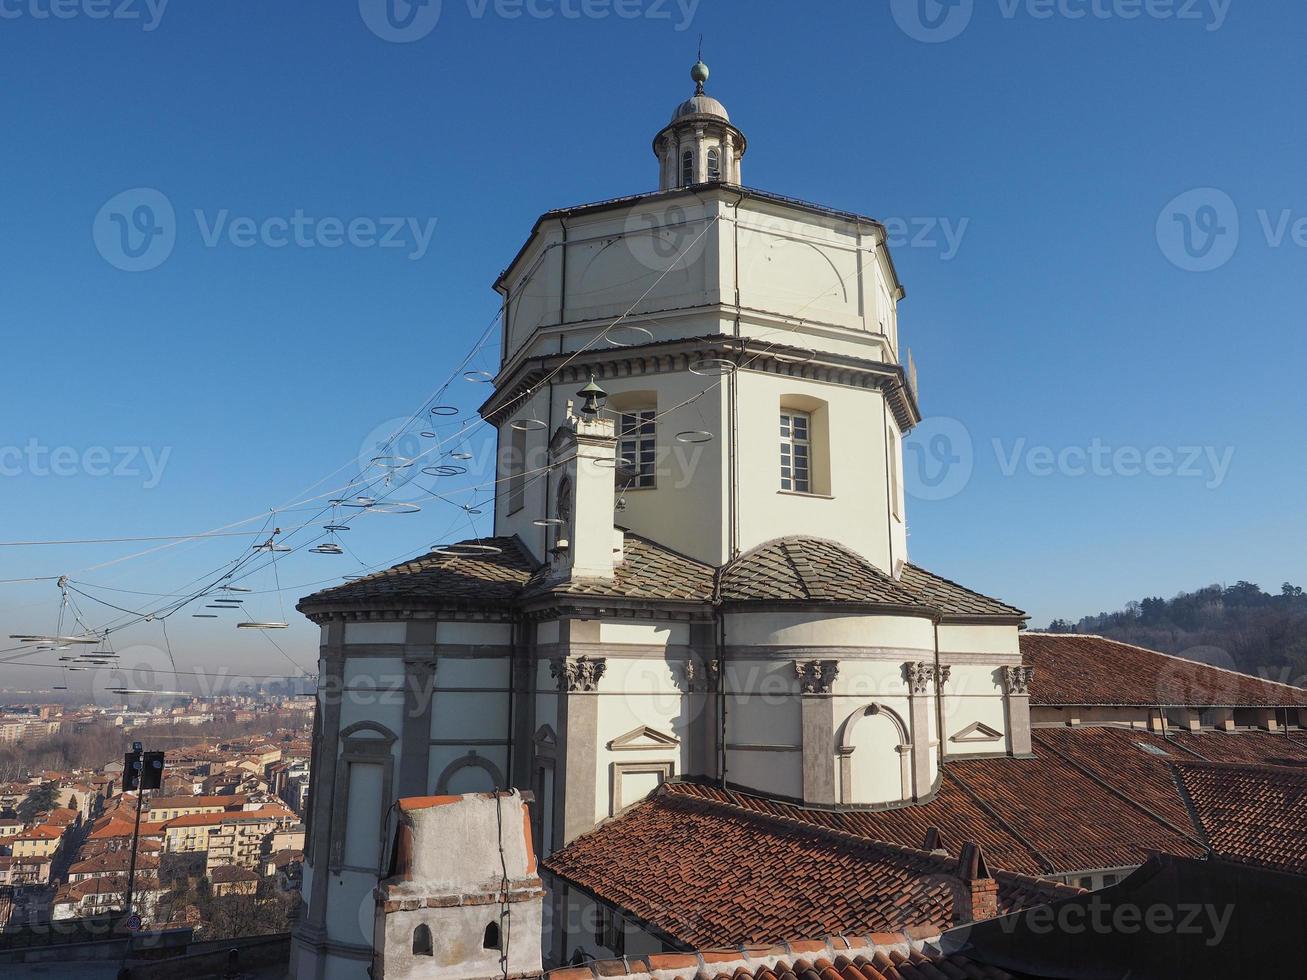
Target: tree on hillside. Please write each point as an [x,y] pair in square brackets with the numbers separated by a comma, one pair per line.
[38,800]
[1260,634]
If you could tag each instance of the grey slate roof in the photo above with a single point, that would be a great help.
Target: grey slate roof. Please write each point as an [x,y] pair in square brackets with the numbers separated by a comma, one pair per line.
[791,569]
[647,571]
[809,570]
[952,599]
[435,579]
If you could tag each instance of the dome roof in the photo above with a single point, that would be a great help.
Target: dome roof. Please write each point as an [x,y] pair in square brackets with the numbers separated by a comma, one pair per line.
[701,105]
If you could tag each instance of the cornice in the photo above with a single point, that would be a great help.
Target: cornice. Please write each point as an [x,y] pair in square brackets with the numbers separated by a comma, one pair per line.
[676,356]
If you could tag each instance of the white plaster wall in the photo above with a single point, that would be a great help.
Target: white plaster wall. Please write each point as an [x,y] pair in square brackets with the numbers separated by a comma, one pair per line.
[468,779]
[385,707]
[375,632]
[966,638]
[806,280]
[464,672]
[639,692]
[489,634]
[647,634]
[469,715]
[821,629]
[856,511]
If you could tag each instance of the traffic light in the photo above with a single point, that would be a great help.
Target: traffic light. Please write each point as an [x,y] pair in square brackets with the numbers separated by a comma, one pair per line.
[152,773]
[142,770]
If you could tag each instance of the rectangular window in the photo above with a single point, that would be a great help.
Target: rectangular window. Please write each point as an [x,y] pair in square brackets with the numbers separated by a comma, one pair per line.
[611,932]
[796,452]
[894,450]
[516,470]
[637,448]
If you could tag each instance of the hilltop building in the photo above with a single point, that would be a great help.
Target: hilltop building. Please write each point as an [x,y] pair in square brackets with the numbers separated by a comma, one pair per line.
[698,610]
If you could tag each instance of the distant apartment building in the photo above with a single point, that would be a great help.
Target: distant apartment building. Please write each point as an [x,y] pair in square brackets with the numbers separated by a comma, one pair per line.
[170,807]
[42,841]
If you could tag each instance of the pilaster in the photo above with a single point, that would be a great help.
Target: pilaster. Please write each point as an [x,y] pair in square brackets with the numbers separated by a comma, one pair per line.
[818,723]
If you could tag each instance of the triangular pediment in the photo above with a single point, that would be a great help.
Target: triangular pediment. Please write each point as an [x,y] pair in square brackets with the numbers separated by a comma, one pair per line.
[643,737]
[545,738]
[977,731]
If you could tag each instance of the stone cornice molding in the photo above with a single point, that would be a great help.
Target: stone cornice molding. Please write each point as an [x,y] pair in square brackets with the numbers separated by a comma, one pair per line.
[578,674]
[674,356]
[816,676]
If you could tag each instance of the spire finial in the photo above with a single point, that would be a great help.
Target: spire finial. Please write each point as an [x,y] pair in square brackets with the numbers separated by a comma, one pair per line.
[700,71]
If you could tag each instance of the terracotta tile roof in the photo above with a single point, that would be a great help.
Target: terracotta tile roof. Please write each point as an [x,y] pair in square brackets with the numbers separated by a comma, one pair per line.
[1250,814]
[809,569]
[706,871]
[1030,815]
[647,571]
[1072,669]
[880,956]
[1259,748]
[113,861]
[485,579]
[952,599]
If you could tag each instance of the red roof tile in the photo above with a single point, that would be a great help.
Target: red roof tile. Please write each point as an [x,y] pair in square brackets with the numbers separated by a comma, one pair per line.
[704,871]
[1092,670]
[1250,814]
[880,956]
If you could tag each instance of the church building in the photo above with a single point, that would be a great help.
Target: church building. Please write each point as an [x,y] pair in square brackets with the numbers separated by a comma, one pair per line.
[699,571]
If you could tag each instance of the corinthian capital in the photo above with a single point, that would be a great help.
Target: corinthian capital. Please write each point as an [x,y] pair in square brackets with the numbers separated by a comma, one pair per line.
[919,676]
[577,673]
[1017,679]
[816,676]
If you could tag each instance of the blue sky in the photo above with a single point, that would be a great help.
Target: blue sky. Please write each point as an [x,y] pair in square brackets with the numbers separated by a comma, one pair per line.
[1035,162]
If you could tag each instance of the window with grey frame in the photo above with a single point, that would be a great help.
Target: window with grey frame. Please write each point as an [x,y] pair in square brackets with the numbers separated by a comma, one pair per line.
[687,168]
[714,164]
[796,451]
[516,470]
[637,448]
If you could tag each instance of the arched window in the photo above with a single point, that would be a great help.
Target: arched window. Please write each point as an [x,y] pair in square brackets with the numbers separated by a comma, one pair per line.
[714,164]
[491,940]
[422,941]
[687,168]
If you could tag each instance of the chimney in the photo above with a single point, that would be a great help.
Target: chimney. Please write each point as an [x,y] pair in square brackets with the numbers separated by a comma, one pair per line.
[463,899]
[583,453]
[981,889]
[934,841]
